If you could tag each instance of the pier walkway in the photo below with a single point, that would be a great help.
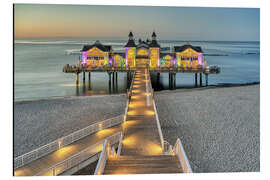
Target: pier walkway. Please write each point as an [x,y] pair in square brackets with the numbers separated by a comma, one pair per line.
[142,151]
[42,165]
[141,137]
[141,148]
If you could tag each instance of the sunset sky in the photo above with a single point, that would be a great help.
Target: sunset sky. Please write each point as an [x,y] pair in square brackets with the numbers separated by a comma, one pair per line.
[181,23]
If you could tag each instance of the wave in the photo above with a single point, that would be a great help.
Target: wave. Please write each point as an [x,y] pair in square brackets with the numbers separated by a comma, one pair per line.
[67,42]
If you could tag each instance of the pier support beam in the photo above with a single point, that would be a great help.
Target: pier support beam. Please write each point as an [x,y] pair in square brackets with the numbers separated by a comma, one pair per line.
[89,80]
[110,81]
[83,77]
[174,81]
[89,76]
[77,78]
[206,79]
[200,79]
[170,81]
[158,80]
[196,83]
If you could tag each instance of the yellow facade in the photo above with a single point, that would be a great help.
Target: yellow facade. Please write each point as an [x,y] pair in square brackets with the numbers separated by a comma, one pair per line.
[96,57]
[131,57]
[154,57]
[142,52]
[167,61]
[182,57]
[118,61]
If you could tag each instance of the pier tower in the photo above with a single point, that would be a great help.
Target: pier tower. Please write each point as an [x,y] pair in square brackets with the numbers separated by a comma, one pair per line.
[130,49]
[154,52]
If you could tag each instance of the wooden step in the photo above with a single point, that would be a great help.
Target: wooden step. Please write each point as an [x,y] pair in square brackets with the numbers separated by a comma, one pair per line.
[142,165]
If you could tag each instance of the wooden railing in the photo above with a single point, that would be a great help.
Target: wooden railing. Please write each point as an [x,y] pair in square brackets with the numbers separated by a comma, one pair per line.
[78,158]
[178,150]
[107,151]
[64,141]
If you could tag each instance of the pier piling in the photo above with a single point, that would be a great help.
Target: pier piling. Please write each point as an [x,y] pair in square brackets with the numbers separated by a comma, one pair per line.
[170,85]
[174,81]
[200,79]
[196,83]
[83,77]
[206,79]
[77,78]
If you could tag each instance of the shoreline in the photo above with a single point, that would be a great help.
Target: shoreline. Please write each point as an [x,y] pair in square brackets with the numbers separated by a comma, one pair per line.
[221,85]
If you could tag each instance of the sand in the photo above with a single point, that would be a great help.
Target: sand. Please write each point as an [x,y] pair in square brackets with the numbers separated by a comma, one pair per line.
[219,127]
[39,122]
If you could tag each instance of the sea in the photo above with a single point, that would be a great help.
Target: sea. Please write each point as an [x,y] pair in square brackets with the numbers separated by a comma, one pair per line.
[38,65]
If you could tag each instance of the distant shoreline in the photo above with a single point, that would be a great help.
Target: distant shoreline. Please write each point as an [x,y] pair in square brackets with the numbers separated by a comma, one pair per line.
[221,85]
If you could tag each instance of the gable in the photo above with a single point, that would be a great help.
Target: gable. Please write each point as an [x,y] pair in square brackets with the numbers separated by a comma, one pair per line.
[188,52]
[94,51]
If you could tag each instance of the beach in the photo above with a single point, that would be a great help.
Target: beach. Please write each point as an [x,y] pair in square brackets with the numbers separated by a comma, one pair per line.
[219,127]
[39,122]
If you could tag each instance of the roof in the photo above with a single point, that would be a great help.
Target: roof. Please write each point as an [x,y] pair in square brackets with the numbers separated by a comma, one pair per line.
[143,44]
[186,46]
[130,43]
[154,43]
[154,34]
[98,45]
[130,34]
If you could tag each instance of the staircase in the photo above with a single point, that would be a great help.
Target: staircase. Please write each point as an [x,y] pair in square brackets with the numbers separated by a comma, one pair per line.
[142,165]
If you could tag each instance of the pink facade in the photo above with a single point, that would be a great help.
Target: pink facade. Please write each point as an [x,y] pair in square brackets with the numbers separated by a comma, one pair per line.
[84,57]
[200,59]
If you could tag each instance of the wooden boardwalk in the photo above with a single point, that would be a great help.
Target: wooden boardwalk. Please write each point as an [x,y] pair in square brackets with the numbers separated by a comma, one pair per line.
[53,158]
[142,151]
[141,137]
[141,146]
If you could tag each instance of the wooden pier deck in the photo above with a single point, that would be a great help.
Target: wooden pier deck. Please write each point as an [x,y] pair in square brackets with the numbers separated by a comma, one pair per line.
[63,153]
[142,151]
[141,137]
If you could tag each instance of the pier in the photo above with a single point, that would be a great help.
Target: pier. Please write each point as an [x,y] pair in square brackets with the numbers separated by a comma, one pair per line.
[122,145]
[172,71]
[132,143]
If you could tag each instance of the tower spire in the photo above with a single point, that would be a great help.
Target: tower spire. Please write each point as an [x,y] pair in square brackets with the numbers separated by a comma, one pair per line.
[130,35]
[154,35]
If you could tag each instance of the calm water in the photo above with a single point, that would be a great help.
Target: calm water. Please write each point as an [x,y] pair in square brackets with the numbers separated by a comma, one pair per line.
[39,62]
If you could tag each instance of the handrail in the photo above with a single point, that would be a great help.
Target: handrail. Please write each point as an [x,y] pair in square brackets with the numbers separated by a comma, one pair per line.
[181,154]
[66,140]
[77,158]
[156,115]
[119,148]
[178,150]
[159,127]
[103,158]
[107,151]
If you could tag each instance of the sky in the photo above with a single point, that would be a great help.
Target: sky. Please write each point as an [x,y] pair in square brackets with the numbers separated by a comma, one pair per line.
[169,23]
